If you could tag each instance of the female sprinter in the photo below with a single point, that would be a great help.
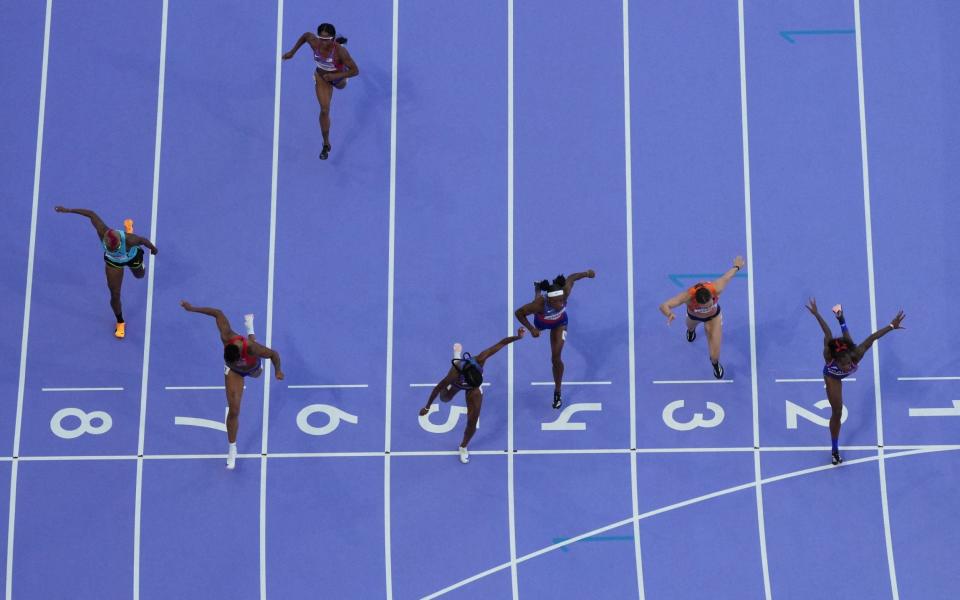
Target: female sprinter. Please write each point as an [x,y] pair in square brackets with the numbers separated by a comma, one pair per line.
[842,356]
[334,67]
[549,310]
[466,373]
[121,248]
[702,307]
[242,358]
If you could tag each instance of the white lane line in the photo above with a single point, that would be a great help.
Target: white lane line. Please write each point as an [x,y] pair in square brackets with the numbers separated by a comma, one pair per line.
[271,261]
[195,387]
[82,389]
[391,246]
[665,509]
[572,383]
[430,385]
[631,336]
[808,380]
[911,448]
[871,282]
[943,378]
[327,386]
[690,381]
[25,335]
[148,320]
[511,515]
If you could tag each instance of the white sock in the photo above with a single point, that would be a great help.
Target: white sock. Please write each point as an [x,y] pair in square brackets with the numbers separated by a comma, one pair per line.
[231,455]
[457,350]
[248,323]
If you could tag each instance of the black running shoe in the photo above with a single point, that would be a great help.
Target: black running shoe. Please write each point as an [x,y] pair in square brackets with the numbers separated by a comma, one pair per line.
[836,458]
[557,402]
[691,335]
[325,152]
[717,370]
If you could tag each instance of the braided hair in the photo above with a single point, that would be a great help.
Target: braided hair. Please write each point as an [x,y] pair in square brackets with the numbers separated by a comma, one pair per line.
[558,283]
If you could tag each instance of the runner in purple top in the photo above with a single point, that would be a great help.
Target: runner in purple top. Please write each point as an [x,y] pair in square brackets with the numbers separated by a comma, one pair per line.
[334,66]
[842,356]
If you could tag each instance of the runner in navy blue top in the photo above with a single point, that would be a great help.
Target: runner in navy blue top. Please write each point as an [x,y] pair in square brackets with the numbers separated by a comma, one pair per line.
[334,66]
[842,357]
[549,310]
[466,373]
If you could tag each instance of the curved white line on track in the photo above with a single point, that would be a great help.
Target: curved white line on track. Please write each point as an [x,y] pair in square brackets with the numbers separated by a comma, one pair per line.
[682,504]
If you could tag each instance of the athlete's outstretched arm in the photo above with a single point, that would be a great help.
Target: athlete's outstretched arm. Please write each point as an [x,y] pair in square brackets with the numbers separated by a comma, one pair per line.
[222,323]
[303,40]
[812,307]
[876,335]
[530,308]
[667,307]
[136,240]
[838,312]
[483,356]
[568,286]
[827,334]
[264,352]
[726,277]
[95,219]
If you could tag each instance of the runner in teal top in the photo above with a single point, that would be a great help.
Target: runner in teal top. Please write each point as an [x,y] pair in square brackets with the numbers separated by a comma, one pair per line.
[121,248]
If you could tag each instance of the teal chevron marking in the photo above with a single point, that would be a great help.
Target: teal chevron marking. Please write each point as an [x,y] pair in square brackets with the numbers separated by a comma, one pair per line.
[676,277]
[596,538]
[789,35]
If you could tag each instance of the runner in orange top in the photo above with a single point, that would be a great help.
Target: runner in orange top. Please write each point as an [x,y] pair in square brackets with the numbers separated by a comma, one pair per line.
[702,307]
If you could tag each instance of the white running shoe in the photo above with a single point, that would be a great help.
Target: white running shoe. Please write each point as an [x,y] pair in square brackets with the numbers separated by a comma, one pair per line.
[248,323]
[457,350]
[231,456]
[464,455]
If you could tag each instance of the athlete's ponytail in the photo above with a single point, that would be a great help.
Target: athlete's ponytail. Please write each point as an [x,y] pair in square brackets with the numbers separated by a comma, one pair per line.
[331,31]
[470,369]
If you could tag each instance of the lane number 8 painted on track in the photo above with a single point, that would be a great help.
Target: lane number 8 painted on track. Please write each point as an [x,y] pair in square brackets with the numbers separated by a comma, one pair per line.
[86,423]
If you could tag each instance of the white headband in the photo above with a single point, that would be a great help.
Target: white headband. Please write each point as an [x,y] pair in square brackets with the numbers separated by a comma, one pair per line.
[554,293]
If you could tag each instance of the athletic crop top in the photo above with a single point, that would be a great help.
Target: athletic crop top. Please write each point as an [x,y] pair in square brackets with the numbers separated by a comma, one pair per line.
[246,362]
[831,369]
[549,312]
[328,62]
[122,254]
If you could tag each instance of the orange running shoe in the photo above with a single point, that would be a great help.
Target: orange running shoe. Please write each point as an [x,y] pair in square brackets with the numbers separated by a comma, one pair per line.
[128,225]
[121,331]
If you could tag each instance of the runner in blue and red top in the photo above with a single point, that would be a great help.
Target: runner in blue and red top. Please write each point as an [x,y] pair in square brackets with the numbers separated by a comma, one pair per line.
[703,306]
[549,310]
[842,357]
[334,66]
[242,357]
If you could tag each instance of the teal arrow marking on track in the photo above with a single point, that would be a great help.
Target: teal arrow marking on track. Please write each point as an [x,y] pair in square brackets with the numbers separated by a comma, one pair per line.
[676,277]
[596,538]
[788,35]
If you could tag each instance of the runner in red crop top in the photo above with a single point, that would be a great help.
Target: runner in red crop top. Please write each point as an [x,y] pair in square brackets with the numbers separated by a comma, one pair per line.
[334,66]
[702,307]
[242,357]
